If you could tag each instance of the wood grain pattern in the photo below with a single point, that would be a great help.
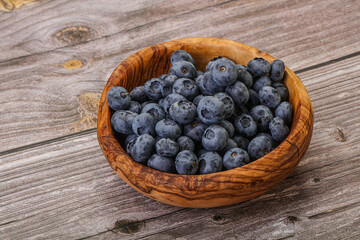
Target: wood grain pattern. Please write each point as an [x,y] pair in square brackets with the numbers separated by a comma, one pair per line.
[209,190]
[39,98]
[64,23]
[63,188]
[70,192]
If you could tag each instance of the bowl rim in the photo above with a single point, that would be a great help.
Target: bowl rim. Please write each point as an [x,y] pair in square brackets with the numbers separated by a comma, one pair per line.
[256,170]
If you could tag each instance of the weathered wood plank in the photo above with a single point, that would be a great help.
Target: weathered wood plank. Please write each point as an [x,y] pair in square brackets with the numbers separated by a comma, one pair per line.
[66,183]
[320,200]
[65,189]
[55,93]
[63,23]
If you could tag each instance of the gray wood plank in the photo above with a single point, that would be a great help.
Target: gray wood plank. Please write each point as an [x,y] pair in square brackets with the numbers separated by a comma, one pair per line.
[42,97]
[66,184]
[320,200]
[65,190]
[48,25]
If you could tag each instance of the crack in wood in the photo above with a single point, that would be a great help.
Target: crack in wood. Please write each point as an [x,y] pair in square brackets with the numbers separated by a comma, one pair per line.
[294,145]
[334,211]
[49,141]
[7,223]
[335,60]
[340,136]
[287,237]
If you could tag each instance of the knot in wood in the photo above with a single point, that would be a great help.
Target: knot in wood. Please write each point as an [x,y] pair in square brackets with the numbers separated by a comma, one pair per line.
[75,34]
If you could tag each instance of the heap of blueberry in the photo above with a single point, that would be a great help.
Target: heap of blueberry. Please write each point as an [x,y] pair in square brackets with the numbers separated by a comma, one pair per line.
[190,122]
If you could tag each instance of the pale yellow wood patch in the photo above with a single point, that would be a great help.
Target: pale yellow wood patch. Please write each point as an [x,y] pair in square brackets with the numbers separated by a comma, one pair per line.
[88,107]
[9,5]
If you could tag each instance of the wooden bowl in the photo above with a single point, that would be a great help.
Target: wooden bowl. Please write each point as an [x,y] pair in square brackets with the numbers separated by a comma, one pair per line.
[209,190]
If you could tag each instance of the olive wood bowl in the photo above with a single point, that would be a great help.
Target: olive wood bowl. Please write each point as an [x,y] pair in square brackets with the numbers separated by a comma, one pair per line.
[215,189]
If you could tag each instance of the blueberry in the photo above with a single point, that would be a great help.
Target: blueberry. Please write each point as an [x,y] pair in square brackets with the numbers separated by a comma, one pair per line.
[197,99]
[269,97]
[195,130]
[186,162]
[282,90]
[129,138]
[229,127]
[259,147]
[230,144]
[258,67]
[261,82]
[278,129]
[146,103]
[215,138]
[121,121]
[241,67]
[166,84]
[167,147]
[224,72]
[198,73]
[183,111]
[118,98]
[245,125]
[153,89]
[210,63]
[142,148]
[241,142]
[183,69]
[284,111]
[138,94]
[130,145]
[240,109]
[201,151]
[277,70]
[262,115]
[168,128]
[207,85]
[144,123]
[211,110]
[135,107]
[239,92]
[185,143]
[181,55]
[228,103]
[163,76]
[161,103]
[186,87]
[210,162]
[253,99]
[161,163]
[154,110]
[170,99]
[244,76]
[273,142]
[235,157]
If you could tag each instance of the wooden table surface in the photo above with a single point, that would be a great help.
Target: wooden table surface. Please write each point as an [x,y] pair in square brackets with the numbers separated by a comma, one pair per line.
[55,58]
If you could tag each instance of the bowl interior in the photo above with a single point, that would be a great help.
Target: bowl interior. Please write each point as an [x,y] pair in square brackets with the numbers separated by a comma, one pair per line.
[216,189]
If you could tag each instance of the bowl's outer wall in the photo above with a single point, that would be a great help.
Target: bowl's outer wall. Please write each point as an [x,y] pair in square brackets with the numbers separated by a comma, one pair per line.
[216,189]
